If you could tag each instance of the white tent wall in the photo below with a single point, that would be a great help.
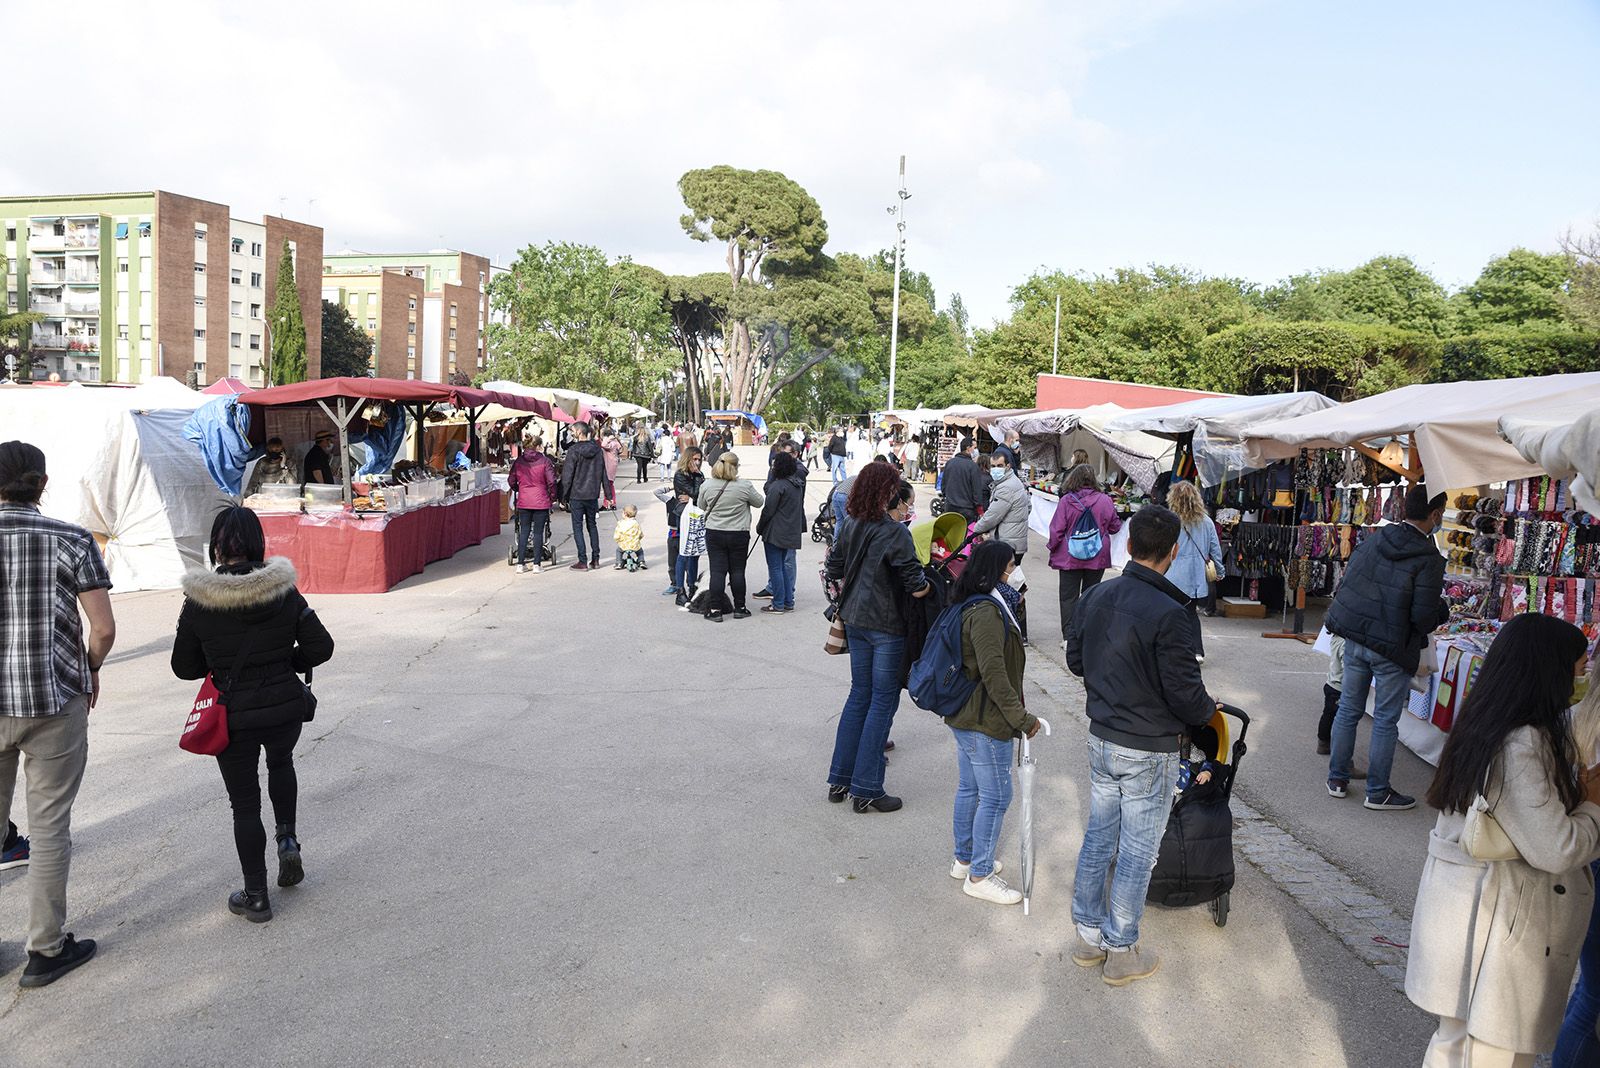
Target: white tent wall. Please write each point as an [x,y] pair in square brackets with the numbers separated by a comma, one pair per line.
[120,467]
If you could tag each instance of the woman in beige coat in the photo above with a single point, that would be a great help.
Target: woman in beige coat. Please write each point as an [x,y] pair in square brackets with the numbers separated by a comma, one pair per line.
[1494,944]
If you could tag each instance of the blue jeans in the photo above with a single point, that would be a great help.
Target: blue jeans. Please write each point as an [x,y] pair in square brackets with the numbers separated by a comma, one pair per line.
[983,793]
[583,514]
[1363,667]
[868,711]
[836,466]
[780,575]
[686,573]
[1130,797]
[1578,1046]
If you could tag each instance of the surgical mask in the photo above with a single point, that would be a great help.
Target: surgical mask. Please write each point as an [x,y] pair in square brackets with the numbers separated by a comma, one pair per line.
[997,473]
[1580,689]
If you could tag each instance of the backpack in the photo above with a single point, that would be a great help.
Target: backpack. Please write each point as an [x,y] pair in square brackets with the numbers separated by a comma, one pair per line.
[939,681]
[1086,541]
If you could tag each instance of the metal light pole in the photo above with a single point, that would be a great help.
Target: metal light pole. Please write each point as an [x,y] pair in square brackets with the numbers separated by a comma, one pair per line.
[1055,347]
[899,213]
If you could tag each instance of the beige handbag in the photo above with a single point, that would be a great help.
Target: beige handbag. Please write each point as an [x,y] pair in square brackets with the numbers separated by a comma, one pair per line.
[1483,838]
[836,643]
[1213,572]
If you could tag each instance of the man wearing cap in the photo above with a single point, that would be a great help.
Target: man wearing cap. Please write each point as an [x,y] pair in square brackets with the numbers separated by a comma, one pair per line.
[1390,601]
[318,467]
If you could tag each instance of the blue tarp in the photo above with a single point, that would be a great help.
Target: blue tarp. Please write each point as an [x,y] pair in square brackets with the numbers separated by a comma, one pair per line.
[755,420]
[221,429]
[383,442]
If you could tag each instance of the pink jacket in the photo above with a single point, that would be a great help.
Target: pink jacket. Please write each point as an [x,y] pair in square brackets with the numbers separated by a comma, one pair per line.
[612,449]
[1068,510]
[533,480]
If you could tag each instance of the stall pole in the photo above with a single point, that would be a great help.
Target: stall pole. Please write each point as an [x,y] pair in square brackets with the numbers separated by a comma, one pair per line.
[342,421]
[419,440]
[1299,631]
[472,433]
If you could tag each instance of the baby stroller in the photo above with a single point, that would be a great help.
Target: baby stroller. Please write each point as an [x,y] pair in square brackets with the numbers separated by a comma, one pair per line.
[822,526]
[1195,866]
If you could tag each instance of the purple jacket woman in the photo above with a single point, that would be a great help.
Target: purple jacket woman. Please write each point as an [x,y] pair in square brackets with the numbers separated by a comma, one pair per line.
[1080,493]
[533,484]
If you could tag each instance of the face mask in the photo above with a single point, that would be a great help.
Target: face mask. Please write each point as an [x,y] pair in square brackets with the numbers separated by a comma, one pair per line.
[1580,689]
[997,473]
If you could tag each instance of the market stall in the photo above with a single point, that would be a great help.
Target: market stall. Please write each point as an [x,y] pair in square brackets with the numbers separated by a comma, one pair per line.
[374,525]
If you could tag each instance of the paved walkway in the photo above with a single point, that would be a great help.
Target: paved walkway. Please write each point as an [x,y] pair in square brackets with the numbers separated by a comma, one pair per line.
[550,820]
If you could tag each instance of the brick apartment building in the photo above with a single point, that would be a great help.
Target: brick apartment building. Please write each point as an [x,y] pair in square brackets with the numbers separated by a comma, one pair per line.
[426,312]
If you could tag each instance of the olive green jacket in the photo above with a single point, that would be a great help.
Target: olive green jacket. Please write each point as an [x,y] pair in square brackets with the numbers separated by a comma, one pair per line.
[992,653]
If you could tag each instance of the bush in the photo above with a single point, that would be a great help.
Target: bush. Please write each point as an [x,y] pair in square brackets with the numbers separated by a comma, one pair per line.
[1515,352]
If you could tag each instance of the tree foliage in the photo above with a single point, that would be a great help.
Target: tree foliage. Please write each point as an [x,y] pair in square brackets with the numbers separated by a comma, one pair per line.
[346,348]
[577,321]
[287,326]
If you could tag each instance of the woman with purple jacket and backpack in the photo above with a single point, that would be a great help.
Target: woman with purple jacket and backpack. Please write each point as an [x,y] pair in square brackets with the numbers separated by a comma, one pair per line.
[1080,569]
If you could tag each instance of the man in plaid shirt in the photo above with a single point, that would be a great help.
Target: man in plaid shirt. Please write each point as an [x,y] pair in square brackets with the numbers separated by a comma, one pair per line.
[49,680]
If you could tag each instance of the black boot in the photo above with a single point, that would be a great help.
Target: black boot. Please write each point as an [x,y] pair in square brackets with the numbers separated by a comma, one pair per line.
[290,870]
[251,904]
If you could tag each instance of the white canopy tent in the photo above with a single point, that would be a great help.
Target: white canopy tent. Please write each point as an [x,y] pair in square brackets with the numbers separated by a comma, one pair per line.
[1218,425]
[120,466]
[1453,426]
[1048,437]
[1563,448]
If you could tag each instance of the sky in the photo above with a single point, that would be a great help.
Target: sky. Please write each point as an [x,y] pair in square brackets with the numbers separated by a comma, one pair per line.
[1244,138]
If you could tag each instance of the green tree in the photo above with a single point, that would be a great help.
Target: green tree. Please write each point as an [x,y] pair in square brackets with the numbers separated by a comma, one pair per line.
[12,327]
[1537,348]
[576,321]
[1583,298]
[1517,288]
[347,351]
[287,326]
[1342,360]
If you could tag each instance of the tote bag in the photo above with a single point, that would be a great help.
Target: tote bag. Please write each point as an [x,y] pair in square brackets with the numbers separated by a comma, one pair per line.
[205,732]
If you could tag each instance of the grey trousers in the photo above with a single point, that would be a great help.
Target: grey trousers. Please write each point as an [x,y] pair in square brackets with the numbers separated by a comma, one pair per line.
[54,750]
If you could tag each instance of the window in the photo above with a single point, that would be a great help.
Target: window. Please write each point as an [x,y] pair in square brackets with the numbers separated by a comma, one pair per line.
[144,268]
[412,304]
[238,244]
[255,248]
[235,308]
[452,310]
[255,342]
[199,302]
[200,333]
[11,233]
[354,299]
[199,231]
[235,341]
[144,332]
[255,279]
[411,352]
[255,311]
[122,331]
[122,265]
[144,229]
[199,268]
[452,333]
[235,277]
[372,324]
[411,328]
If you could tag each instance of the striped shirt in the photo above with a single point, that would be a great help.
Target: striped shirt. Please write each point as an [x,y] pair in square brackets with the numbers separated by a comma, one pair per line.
[44,565]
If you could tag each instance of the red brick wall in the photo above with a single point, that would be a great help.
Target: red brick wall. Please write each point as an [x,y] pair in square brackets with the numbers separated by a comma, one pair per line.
[466,300]
[307,241]
[174,287]
[396,291]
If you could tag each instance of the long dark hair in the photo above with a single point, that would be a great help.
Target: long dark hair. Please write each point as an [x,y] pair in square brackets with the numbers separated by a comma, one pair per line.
[236,534]
[984,568]
[1526,681]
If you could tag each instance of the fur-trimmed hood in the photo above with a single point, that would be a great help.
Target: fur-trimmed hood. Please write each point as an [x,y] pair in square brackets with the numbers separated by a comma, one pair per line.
[264,586]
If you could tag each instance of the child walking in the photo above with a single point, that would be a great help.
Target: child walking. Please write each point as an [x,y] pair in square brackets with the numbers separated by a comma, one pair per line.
[630,541]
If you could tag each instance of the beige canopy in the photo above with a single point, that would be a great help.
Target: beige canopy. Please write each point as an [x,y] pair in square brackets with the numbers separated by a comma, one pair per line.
[1453,425]
[1567,449]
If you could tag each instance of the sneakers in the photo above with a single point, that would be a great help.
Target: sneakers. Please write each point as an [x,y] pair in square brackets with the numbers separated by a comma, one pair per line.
[579,566]
[1324,748]
[960,869]
[1086,954]
[714,616]
[670,591]
[886,803]
[43,970]
[522,569]
[763,592]
[741,613]
[1338,788]
[837,794]
[992,889]
[251,904]
[538,569]
[1390,801]
[16,856]
[772,608]
[290,868]
[1124,966]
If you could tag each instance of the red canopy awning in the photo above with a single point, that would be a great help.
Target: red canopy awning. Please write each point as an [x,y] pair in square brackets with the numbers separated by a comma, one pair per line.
[399,390]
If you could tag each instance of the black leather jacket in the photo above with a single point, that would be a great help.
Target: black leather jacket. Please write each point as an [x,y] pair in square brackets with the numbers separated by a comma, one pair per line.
[883,561]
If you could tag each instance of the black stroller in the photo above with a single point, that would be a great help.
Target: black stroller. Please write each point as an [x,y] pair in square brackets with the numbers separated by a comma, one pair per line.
[822,526]
[1195,866]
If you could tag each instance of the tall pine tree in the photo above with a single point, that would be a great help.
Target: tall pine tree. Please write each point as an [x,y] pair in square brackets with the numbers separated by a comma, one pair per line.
[288,326]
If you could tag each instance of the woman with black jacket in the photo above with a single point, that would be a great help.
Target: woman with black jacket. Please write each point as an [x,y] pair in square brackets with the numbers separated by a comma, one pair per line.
[875,561]
[782,527]
[246,626]
[686,482]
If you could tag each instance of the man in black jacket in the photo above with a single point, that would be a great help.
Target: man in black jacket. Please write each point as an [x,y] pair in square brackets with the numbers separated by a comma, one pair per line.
[838,449]
[966,485]
[1136,642]
[583,475]
[1390,600]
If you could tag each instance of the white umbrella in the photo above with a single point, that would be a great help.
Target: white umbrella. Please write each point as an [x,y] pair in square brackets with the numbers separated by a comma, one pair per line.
[1026,769]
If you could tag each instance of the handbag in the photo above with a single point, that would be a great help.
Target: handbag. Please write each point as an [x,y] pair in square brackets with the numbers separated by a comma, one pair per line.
[1482,836]
[837,642]
[205,732]
[1213,573]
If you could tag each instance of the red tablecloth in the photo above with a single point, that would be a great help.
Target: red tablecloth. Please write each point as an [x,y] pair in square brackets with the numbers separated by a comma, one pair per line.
[336,553]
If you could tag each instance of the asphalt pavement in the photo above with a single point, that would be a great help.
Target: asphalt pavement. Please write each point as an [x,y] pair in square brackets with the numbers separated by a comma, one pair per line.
[549,819]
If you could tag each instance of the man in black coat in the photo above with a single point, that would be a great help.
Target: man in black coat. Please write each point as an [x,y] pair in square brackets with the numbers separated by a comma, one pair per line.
[838,450]
[1389,602]
[1135,640]
[966,485]
[583,476]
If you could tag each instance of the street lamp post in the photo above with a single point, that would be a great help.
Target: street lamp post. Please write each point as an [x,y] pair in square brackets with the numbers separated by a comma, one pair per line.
[899,213]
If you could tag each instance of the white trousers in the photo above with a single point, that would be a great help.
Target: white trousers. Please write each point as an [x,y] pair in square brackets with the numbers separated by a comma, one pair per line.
[1452,1047]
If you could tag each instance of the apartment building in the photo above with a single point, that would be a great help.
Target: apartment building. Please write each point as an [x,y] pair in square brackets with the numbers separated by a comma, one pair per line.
[443,325]
[134,285]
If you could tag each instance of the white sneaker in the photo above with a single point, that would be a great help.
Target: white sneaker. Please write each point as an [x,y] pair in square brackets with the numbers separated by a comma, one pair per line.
[960,870]
[522,569]
[538,569]
[993,889]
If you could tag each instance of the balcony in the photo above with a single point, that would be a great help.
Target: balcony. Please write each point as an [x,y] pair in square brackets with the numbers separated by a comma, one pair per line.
[47,307]
[43,340]
[83,239]
[83,307]
[48,237]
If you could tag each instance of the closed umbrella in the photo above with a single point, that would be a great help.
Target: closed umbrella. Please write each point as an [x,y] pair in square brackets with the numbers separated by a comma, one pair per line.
[1026,769]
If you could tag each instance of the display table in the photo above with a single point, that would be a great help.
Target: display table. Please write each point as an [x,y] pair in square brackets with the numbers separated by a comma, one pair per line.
[338,553]
[1042,509]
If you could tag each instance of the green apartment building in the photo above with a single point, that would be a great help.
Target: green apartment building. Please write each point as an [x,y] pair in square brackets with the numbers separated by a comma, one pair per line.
[133,285]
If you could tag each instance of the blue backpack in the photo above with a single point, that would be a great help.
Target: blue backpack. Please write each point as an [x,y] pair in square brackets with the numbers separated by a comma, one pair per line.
[939,681]
[1086,541]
